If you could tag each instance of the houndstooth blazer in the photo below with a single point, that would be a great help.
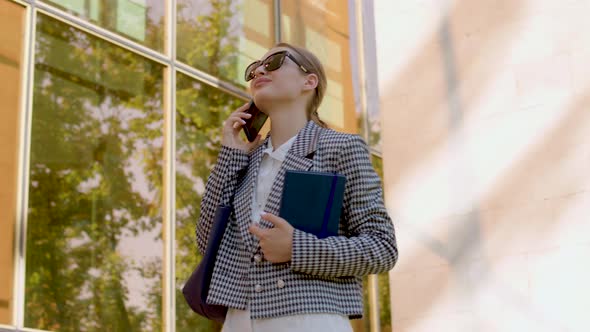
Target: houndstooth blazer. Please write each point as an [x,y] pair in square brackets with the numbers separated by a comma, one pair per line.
[324,275]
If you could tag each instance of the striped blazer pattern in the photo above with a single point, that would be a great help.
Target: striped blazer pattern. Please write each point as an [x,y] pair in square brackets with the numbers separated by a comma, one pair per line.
[324,275]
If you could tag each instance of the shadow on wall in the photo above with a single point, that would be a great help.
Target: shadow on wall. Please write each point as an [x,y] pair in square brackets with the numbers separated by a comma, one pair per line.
[517,212]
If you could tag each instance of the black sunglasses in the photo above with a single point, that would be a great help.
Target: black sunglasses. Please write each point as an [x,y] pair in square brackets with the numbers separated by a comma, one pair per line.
[272,62]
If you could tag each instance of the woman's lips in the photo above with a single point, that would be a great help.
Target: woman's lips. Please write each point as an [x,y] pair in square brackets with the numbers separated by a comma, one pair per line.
[261,81]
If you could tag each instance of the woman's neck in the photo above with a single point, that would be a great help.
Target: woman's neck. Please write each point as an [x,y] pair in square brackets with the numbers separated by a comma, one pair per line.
[286,122]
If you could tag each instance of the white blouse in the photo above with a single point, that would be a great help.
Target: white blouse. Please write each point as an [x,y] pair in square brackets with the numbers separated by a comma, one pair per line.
[269,168]
[239,320]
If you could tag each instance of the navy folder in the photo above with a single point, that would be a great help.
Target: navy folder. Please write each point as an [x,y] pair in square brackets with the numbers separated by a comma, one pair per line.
[312,201]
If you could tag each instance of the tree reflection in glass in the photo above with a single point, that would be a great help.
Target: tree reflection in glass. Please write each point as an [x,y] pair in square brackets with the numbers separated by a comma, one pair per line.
[207,39]
[94,233]
[139,20]
[221,37]
[200,111]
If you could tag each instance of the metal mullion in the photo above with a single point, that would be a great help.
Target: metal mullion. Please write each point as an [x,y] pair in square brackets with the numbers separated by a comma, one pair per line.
[361,65]
[168,207]
[373,284]
[277,21]
[26,104]
[24,3]
[376,152]
[28,329]
[102,33]
[211,80]
[170,220]
[373,281]
[169,303]
[7,328]
[170,24]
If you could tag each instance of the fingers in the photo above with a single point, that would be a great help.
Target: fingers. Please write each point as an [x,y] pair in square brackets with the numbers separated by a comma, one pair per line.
[236,121]
[232,126]
[275,220]
[255,142]
[239,116]
[242,111]
[257,231]
[242,108]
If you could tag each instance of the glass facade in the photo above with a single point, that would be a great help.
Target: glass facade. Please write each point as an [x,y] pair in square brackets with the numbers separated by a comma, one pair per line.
[198,140]
[381,280]
[92,123]
[323,28]
[141,21]
[222,37]
[94,234]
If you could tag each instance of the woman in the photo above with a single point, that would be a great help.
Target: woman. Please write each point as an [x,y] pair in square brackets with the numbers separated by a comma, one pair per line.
[271,276]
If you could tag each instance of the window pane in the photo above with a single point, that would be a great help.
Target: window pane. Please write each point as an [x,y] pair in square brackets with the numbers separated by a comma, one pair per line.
[322,27]
[383,278]
[364,324]
[222,37]
[384,302]
[11,45]
[382,282]
[200,111]
[138,20]
[374,119]
[378,165]
[94,235]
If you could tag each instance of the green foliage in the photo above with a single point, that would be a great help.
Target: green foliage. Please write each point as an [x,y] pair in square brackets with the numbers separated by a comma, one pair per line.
[95,182]
[200,111]
[96,175]
[205,41]
[208,39]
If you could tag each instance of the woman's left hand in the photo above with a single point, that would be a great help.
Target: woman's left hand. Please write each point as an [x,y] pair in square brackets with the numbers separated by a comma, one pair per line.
[277,242]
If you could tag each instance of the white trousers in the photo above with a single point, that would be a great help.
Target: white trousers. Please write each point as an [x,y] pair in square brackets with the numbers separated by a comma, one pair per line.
[239,321]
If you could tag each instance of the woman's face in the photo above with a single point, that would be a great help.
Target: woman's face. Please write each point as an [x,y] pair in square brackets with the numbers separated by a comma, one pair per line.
[285,83]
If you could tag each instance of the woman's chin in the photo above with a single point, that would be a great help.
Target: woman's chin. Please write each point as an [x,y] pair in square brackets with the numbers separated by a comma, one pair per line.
[261,98]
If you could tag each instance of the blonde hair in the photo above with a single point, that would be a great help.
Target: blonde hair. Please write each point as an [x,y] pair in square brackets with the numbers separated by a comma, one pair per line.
[313,66]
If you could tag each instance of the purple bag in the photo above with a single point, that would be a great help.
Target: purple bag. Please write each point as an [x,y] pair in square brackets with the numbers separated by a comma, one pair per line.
[196,288]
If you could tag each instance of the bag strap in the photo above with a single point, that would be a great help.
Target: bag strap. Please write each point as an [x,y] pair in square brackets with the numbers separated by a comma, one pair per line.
[230,201]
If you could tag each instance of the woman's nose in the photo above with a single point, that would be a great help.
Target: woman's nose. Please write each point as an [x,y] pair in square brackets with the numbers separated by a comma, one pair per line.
[259,71]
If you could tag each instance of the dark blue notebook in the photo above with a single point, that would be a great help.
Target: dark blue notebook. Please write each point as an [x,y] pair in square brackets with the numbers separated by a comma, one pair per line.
[312,201]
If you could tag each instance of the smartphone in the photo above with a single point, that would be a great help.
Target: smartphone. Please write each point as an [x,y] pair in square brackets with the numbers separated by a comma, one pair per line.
[255,122]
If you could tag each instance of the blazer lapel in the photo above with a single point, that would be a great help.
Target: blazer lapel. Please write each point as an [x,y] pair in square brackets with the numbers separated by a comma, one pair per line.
[299,157]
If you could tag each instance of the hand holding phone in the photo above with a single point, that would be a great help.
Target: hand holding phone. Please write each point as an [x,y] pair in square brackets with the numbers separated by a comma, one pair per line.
[255,122]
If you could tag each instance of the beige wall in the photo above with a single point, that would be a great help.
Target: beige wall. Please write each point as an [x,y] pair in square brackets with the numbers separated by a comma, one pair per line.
[10,66]
[485,111]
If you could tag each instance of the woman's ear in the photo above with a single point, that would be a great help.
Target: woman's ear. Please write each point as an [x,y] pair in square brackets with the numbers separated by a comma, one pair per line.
[311,82]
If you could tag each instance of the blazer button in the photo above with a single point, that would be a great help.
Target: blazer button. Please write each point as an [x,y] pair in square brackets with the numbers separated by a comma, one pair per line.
[257,258]
[280,283]
[258,288]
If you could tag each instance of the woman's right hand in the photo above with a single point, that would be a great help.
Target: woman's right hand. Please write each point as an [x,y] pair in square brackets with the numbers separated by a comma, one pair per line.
[231,130]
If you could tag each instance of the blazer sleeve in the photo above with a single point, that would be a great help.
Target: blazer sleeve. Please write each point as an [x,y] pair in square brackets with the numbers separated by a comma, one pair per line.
[370,246]
[223,177]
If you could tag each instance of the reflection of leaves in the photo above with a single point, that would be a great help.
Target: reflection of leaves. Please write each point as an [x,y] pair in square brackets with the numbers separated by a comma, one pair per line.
[384,303]
[207,41]
[89,123]
[96,173]
[200,111]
